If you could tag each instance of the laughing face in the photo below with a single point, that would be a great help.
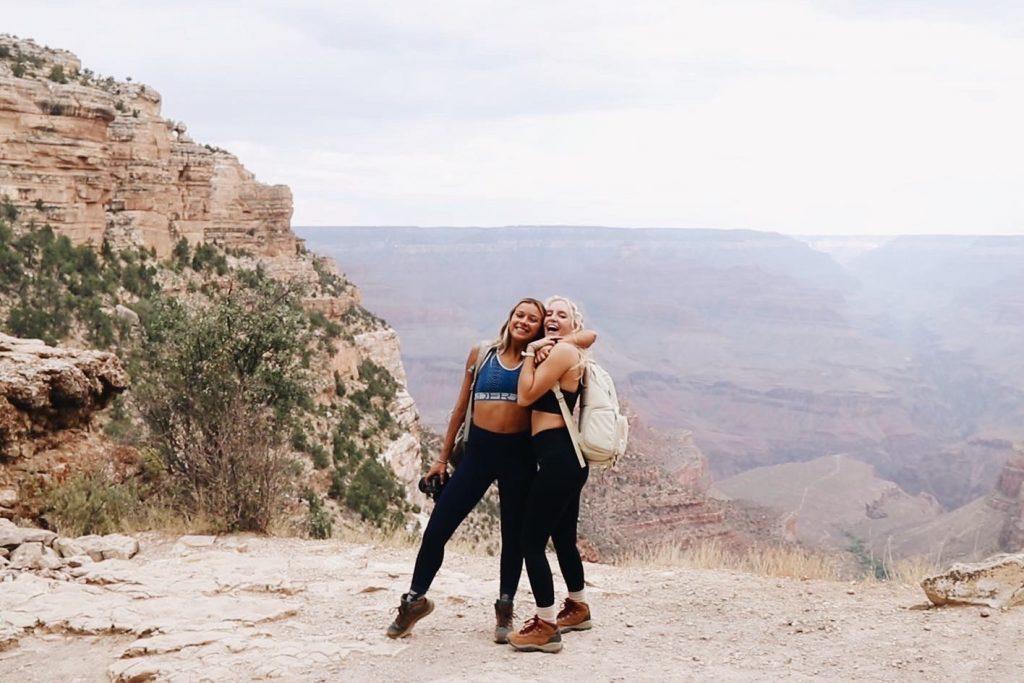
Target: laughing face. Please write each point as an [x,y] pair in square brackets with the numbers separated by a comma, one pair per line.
[558,319]
[525,323]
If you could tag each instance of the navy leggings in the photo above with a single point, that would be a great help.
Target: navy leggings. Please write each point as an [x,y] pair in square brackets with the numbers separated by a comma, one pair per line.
[489,456]
[552,511]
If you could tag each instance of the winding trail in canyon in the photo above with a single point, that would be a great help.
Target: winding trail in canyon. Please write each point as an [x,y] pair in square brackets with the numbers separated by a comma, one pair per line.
[201,608]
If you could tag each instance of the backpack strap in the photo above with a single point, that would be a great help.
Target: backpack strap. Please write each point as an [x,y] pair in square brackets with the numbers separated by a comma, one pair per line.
[574,431]
[482,352]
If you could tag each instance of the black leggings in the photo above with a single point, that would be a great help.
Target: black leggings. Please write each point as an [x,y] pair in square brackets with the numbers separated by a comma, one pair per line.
[552,511]
[489,456]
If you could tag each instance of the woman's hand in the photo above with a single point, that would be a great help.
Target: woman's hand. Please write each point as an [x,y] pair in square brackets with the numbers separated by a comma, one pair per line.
[439,468]
[542,353]
[540,344]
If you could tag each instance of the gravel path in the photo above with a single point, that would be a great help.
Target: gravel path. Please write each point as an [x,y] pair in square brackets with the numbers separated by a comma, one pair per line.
[244,608]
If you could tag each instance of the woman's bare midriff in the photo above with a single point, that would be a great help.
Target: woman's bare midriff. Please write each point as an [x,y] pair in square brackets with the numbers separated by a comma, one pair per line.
[501,417]
[540,421]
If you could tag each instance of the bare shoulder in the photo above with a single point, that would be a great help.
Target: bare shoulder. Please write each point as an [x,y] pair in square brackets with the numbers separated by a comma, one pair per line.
[564,353]
[471,359]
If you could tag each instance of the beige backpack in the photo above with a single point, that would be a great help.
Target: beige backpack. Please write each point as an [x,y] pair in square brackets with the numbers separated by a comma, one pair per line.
[600,437]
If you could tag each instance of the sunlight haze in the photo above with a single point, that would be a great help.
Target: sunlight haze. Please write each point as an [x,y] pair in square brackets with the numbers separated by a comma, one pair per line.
[811,118]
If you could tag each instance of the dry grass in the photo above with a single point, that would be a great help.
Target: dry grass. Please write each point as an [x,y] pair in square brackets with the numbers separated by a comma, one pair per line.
[775,561]
[910,571]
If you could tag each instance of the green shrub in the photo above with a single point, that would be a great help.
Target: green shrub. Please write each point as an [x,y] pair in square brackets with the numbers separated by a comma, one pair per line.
[221,385]
[57,74]
[319,518]
[342,448]
[208,257]
[300,441]
[374,494]
[321,459]
[8,211]
[18,69]
[91,503]
[338,485]
[181,255]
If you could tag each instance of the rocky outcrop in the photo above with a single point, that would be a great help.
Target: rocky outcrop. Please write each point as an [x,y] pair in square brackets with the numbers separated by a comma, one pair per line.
[655,495]
[997,582]
[44,389]
[95,159]
[58,557]
[992,523]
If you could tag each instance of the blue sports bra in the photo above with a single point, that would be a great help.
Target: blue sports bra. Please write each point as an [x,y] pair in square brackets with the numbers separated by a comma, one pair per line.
[495,382]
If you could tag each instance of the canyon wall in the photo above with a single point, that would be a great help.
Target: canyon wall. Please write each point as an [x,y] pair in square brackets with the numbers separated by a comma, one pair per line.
[767,351]
[94,159]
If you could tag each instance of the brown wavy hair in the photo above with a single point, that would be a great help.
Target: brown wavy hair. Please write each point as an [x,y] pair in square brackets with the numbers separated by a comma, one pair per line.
[504,338]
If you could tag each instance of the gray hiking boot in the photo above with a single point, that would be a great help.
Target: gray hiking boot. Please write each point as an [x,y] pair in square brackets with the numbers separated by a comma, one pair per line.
[503,619]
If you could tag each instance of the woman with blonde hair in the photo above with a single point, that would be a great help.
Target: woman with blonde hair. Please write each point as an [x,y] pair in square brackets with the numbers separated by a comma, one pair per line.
[497,449]
[553,504]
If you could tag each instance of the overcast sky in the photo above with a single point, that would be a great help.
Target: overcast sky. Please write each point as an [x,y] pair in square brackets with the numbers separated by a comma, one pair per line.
[823,117]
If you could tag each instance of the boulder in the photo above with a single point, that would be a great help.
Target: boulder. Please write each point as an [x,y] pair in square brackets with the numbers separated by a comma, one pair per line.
[68,547]
[128,315]
[111,546]
[996,582]
[12,536]
[8,497]
[76,561]
[27,556]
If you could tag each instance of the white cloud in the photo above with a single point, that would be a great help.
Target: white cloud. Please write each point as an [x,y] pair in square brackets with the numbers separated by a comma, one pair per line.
[792,116]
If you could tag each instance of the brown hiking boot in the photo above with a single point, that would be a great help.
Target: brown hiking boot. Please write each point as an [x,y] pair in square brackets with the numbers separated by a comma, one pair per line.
[503,618]
[536,635]
[409,612]
[574,616]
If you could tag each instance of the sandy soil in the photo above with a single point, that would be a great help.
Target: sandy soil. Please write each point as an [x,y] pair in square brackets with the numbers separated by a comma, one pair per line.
[254,608]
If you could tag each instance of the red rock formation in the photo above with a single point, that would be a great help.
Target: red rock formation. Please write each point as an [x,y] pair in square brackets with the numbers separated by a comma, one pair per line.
[656,494]
[94,159]
[100,162]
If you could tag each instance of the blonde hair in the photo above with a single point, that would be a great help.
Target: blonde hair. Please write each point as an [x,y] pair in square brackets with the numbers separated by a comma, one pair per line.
[504,338]
[576,318]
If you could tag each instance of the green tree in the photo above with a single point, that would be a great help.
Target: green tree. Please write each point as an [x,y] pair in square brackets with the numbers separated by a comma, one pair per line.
[220,386]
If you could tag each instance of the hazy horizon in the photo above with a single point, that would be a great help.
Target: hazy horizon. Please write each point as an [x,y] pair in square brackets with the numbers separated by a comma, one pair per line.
[826,118]
[824,235]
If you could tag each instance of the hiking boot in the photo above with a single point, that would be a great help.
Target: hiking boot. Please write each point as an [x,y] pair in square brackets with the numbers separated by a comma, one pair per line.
[503,619]
[537,635]
[574,616]
[410,611]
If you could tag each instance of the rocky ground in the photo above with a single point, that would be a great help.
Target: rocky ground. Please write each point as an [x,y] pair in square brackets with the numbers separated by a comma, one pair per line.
[231,608]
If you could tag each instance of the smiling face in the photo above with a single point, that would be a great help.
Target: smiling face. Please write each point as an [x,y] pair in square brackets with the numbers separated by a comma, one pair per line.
[558,319]
[525,322]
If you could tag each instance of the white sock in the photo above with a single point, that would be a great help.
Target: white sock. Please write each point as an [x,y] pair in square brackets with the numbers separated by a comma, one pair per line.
[547,614]
[579,596]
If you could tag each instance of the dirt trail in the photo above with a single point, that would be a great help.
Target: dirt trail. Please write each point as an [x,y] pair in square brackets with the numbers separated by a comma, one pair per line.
[244,608]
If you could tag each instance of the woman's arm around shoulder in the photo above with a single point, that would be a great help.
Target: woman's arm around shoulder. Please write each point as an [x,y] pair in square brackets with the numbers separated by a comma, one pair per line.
[535,381]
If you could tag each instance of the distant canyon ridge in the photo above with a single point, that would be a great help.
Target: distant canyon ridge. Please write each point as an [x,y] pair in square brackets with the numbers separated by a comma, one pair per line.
[903,353]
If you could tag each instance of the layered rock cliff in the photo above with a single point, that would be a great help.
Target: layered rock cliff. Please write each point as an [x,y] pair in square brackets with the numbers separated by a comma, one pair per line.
[657,495]
[100,162]
[94,159]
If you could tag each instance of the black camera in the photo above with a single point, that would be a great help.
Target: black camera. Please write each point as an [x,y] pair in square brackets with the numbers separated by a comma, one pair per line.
[432,486]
